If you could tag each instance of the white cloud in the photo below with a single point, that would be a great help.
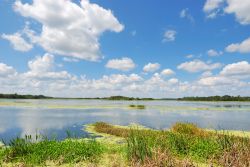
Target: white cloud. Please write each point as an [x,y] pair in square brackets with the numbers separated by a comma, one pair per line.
[185,14]
[206,74]
[68,59]
[18,42]
[198,66]
[173,81]
[42,64]
[241,10]
[239,70]
[69,29]
[151,67]
[231,77]
[215,80]
[6,70]
[243,47]
[211,5]
[123,64]
[213,52]
[44,68]
[43,77]
[212,8]
[167,72]
[169,35]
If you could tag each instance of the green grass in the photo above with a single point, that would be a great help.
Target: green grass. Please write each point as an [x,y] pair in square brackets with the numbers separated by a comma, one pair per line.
[69,151]
[183,141]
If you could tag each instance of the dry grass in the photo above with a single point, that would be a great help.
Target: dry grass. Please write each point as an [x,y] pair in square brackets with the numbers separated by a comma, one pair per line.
[162,159]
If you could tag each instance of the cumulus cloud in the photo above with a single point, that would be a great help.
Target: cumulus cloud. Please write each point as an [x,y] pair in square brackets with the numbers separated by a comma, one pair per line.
[167,72]
[232,77]
[240,8]
[43,77]
[213,52]
[42,64]
[69,29]
[215,80]
[151,67]
[6,70]
[169,35]
[18,42]
[212,8]
[123,64]
[185,14]
[243,47]
[198,66]
[42,67]
[239,69]
[211,5]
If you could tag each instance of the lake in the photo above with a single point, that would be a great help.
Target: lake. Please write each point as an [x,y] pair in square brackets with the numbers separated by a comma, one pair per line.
[55,117]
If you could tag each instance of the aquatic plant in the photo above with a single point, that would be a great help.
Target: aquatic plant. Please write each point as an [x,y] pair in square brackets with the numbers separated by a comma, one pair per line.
[137,106]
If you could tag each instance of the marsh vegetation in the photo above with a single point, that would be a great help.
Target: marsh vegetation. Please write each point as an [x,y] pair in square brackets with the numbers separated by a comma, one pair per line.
[31,151]
[137,106]
[184,144]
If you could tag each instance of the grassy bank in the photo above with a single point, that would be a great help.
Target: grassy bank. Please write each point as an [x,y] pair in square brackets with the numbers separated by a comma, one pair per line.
[183,145]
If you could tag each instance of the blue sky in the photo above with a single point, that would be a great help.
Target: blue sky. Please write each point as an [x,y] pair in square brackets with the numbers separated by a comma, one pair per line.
[134,48]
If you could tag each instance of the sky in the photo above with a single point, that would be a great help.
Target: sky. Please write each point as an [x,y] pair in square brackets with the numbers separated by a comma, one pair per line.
[142,48]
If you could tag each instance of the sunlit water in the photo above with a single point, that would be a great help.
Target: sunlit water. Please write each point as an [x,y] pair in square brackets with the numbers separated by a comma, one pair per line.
[55,117]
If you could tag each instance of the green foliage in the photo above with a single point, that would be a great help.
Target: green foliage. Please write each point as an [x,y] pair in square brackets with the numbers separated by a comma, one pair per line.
[35,153]
[204,148]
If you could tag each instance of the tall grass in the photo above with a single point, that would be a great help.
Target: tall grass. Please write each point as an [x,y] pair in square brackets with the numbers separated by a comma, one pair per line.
[27,151]
[183,141]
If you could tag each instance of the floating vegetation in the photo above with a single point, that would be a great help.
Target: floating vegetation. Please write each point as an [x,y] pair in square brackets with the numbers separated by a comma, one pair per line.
[137,106]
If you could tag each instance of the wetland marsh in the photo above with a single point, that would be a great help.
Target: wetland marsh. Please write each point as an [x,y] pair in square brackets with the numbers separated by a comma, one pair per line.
[52,117]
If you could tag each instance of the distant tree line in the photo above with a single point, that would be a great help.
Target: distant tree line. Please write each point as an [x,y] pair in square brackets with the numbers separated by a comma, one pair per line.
[126,98]
[209,98]
[216,98]
[17,96]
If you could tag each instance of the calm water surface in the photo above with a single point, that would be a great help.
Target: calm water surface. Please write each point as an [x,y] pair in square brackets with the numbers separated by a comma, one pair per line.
[55,117]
